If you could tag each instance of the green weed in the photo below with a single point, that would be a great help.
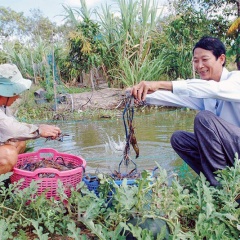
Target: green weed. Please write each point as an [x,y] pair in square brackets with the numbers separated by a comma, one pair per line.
[189,209]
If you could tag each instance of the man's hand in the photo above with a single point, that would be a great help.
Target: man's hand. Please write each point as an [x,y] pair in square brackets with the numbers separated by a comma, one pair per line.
[140,90]
[49,131]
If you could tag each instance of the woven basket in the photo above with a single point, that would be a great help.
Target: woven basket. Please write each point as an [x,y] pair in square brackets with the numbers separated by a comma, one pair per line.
[47,178]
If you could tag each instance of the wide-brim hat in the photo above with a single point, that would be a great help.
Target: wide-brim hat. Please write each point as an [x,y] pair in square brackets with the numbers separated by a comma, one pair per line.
[11,81]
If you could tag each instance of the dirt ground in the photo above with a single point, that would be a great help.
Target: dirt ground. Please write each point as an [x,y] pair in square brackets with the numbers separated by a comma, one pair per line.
[100,98]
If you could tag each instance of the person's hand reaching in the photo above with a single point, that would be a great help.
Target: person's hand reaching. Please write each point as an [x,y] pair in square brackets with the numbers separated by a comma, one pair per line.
[49,131]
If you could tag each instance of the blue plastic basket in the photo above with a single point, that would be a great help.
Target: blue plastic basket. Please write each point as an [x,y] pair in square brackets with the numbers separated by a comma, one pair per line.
[129,182]
[92,183]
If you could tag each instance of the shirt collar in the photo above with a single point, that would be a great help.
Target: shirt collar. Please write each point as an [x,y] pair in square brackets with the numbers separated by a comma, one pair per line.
[224,75]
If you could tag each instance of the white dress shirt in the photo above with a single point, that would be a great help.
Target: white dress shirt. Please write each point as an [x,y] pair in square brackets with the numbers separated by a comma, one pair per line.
[222,98]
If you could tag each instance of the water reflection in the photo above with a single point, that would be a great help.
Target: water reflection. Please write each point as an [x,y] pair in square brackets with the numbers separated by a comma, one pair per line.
[90,139]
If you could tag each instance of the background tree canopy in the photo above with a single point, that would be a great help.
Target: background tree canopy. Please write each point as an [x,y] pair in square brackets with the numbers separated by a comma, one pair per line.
[119,45]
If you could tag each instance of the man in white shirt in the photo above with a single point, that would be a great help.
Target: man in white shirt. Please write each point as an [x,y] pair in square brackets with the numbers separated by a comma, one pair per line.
[216,94]
[12,132]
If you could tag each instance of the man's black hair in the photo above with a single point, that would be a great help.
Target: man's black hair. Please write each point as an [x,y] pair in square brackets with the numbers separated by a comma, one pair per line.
[211,44]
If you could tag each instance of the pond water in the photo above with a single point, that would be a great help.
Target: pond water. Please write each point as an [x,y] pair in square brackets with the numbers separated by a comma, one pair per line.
[101,142]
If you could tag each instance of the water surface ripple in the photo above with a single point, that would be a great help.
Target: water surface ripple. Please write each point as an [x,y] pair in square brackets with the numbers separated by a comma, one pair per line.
[101,142]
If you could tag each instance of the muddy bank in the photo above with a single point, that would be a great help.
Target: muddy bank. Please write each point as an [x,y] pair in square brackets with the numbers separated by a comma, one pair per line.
[105,98]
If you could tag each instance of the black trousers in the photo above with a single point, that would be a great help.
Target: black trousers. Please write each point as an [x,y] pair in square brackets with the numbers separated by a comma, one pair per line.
[211,147]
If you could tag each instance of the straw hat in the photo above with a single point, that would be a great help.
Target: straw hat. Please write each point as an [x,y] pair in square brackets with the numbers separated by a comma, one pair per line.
[11,81]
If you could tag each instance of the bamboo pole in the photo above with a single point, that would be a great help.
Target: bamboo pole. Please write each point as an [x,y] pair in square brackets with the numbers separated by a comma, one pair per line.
[34,74]
[53,73]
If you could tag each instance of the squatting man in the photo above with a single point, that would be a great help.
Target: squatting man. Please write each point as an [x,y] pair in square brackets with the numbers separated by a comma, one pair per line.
[216,137]
[12,132]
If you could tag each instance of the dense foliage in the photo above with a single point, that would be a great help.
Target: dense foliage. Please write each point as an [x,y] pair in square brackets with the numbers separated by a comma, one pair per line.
[221,15]
[85,46]
[183,208]
[118,45]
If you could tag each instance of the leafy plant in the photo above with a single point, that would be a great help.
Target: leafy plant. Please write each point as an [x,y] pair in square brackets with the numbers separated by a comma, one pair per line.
[191,208]
[131,72]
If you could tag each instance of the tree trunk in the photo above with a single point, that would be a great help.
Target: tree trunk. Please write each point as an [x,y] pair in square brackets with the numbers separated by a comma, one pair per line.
[91,78]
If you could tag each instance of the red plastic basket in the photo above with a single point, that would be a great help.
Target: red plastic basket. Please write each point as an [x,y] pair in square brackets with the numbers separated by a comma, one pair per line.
[48,183]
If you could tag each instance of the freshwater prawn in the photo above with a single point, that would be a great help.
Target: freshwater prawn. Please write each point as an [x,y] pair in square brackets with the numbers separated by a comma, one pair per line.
[128,114]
